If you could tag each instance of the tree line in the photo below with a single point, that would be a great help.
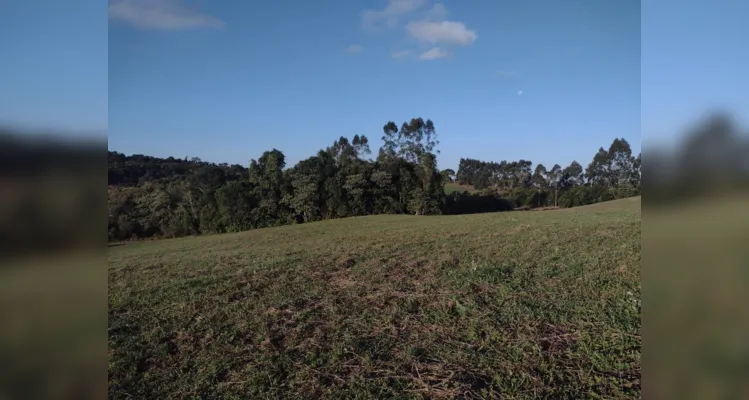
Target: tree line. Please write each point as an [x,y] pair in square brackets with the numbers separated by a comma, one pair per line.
[155,197]
[709,161]
[50,192]
[612,174]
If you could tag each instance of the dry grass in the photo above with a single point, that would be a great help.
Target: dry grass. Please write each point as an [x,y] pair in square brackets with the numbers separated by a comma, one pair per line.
[505,305]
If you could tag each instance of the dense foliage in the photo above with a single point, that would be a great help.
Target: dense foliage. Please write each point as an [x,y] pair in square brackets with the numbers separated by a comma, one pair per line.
[171,197]
[50,186]
[613,174]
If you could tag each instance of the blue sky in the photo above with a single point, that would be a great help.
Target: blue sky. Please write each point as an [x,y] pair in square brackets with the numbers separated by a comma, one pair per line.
[694,59]
[236,78]
[226,80]
[53,65]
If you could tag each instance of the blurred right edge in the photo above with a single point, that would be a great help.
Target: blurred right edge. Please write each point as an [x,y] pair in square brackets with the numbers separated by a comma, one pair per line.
[695,233]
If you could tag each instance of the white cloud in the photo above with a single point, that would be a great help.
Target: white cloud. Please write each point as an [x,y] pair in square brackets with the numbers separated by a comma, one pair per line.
[520,92]
[161,15]
[437,13]
[400,54]
[449,32]
[354,49]
[433,54]
[391,14]
[428,28]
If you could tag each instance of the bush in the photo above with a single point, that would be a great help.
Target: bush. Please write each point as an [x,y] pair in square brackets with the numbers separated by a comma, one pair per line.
[465,203]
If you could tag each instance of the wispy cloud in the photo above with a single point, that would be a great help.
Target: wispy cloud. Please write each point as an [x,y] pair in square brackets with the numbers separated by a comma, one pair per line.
[161,15]
[433,54]
[428,29]
[354,49]
[438,12]
[400,54]
[520,92]
[391,14]
[450,32]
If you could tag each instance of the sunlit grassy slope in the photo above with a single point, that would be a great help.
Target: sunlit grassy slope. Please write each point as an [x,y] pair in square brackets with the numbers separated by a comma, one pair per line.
[510,305]
[456,187]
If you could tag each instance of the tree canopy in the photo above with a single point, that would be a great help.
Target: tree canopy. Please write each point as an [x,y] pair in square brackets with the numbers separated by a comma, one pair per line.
[170,197]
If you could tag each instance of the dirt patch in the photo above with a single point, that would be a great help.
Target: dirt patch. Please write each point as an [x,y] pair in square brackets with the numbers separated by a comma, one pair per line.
[606,233]
[279,324]
[518,228]
[556,339]
[346,261]
[342,279]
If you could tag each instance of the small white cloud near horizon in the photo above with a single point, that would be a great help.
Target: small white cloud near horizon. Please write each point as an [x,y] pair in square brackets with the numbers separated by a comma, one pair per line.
[433,54]
[390,14]
[354,49]
[520,92]
[169,15]
[400,54]
[450,32]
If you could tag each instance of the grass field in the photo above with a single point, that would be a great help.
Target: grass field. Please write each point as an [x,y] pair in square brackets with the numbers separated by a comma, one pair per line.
[456,187]
[503,305]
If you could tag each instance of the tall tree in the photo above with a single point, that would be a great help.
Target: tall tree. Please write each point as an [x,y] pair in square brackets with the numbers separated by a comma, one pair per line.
[448,175]
[307,181]
[413,139]
[574,175]
[621,167]
[344,151]
[540,181]
[636,174]
[267,177]
[599,170]
[429,195]
[235,203]
[555,178]
[524,173]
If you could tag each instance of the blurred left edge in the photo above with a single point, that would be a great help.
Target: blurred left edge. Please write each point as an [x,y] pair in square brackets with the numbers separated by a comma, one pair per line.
[53,276]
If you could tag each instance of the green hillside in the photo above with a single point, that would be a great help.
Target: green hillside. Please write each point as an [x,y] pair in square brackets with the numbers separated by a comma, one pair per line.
[456,187]
[510,305]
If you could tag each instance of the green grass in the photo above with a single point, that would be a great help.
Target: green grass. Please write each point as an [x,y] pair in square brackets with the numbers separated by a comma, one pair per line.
[503,305]
[456,187]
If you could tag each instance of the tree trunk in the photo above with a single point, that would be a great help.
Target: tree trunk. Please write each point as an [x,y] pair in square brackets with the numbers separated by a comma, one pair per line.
[556,190]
